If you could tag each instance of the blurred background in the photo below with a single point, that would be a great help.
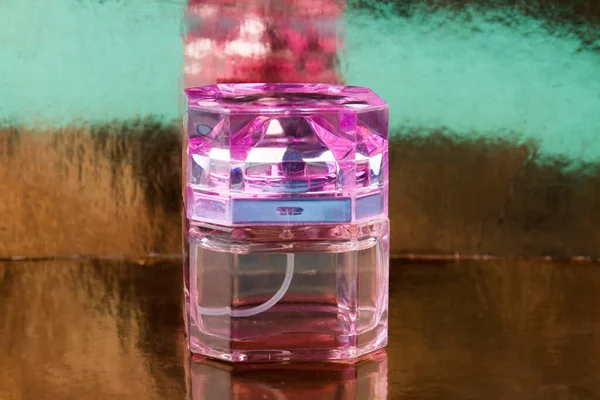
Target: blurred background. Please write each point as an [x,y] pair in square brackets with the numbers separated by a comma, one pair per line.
[494,151]
[494,114]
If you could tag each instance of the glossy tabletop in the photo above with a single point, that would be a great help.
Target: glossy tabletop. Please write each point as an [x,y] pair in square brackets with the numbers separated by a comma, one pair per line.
[98,329]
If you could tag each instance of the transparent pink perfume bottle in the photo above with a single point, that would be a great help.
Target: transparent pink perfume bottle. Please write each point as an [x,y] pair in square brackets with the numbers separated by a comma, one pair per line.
[286,228]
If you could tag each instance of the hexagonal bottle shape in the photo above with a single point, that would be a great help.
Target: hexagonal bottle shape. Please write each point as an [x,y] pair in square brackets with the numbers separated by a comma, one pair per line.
[286,228]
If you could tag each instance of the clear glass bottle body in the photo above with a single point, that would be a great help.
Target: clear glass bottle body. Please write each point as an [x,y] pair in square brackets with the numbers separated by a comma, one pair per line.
[282,293]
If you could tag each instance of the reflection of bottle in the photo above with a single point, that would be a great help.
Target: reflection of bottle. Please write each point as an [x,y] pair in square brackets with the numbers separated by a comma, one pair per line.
[286,221]
[262,41]
[365,378]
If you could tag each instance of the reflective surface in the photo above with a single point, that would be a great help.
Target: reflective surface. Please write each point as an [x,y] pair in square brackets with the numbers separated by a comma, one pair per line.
[470,330]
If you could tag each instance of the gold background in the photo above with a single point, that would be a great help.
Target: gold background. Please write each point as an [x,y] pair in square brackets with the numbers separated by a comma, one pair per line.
[115,189]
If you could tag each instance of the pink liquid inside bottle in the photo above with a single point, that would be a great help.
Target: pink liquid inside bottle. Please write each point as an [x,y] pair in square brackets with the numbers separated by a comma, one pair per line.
[286,228]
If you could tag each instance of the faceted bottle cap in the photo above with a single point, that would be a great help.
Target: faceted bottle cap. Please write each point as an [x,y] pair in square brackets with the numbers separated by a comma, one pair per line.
[285,154]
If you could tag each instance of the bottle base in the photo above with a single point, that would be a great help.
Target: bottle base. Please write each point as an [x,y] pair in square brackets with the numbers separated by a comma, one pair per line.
[281,349]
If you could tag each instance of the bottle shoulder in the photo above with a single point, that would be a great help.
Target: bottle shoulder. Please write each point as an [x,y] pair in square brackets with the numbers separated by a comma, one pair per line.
[288,238]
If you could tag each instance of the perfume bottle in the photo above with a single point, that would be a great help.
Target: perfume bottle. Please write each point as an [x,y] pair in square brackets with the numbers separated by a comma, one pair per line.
[285,226]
